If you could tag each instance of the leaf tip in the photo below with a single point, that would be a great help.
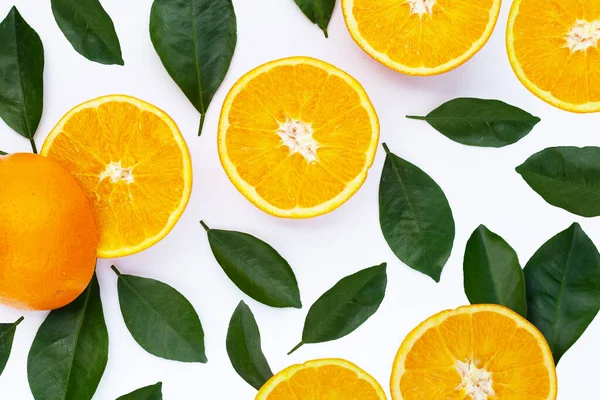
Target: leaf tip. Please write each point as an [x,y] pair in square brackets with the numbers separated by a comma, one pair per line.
[326,33]
[295,348]
[202,118]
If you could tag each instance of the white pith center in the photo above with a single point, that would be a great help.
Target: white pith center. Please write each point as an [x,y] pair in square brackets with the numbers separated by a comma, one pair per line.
[476,381]
[583,35]
[115,172]
[421,6]
[298,136]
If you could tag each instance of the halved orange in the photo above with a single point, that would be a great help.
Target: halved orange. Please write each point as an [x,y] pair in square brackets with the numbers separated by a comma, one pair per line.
[421,37]
[479,352]
[133,164]
[297,137]
[553,47]
[331,379]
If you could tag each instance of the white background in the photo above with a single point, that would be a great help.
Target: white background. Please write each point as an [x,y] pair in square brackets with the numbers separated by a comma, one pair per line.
[481,185]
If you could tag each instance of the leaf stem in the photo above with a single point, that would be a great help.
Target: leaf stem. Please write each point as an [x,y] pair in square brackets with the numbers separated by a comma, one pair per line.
[17,322]
[386,148]
[116,270]
[204,226]
[33,147]
[202,117]
[296,348]
[416,117]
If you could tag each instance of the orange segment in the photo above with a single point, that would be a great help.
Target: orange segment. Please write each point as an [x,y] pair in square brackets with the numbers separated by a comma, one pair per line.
[133,164]
[481,352]
[331,379]
[421,37]
[553,47]
[297,137]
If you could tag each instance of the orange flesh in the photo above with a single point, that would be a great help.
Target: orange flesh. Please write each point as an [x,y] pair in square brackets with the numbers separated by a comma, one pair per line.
[518,363]
[540,47]
[130,214]
[327,104]
[429,40]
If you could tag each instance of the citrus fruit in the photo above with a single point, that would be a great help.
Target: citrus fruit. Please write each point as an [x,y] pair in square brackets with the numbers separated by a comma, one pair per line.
[421,37]
[133,164]
[48,237]
[297,137]
[331,379]
[474,353]
[553,47]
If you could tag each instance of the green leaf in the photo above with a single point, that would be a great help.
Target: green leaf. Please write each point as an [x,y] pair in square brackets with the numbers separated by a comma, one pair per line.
[479,122]
[3,153]
[318,11]
[153,392]
[89,29]
[244,348]
[195,40]
[70,351]
[563,288]
[415,217]
[345,307]
[7,334]
[492,272]
[21,75]
[160,319]
[566,177]
[256,268]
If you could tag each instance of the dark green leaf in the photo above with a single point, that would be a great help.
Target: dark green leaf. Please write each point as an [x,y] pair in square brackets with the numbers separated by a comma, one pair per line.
[3,153]
[318,11]
[195,40]
[153,392]
[345,307]
[7,334]
[563,288]
[244,348]
[492,272]
[89,29]
[255,267]
[70,351]
[415,217]
[160,319]
[566,177]
[21,75]
[479,122]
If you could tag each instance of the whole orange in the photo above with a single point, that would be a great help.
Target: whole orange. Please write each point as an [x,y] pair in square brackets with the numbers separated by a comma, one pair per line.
[48,237]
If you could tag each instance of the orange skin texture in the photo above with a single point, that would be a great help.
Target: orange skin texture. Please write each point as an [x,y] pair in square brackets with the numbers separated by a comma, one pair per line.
[48,236]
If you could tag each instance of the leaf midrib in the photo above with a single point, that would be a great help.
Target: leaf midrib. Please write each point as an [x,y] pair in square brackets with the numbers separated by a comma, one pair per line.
[523,170]
[195,44]
[247,347]
[489,263]
[22,87]
[487,120]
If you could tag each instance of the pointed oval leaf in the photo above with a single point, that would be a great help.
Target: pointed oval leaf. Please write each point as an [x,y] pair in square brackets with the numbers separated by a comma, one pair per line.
[318,12]
[153,392]
[481,122]
[70,351]
[566,177]
[21,75]
[244,348]
[563,288]
[255,267]
[492,273]
[415,217]
[195,40]
[160,319]
[7,335]
[345,307]
[89,29]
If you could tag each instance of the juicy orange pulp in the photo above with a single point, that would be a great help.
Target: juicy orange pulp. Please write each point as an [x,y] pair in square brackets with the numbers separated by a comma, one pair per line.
[421,37]
[133,164]
[475,352]
[553,48]
[297,137]
[331,379]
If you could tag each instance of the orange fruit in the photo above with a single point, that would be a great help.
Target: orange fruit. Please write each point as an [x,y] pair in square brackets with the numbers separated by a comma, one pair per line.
[331,379]
[297,137]
[132,162]
[553,47]
[421,37]
[48,237]
[474,353]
